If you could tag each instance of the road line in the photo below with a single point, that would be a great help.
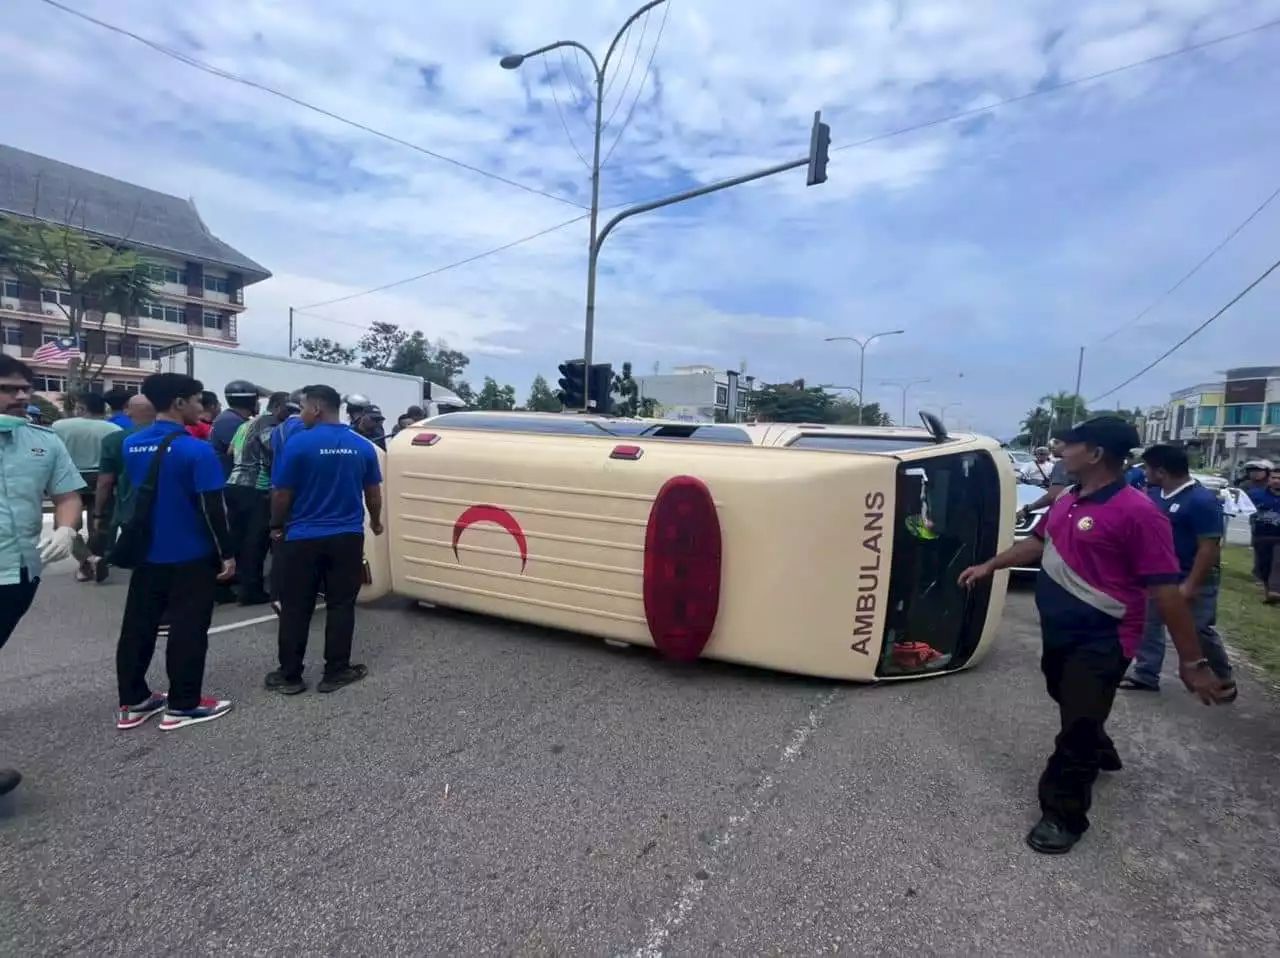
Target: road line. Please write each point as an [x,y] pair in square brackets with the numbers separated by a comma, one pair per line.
[661,929]
[242,623]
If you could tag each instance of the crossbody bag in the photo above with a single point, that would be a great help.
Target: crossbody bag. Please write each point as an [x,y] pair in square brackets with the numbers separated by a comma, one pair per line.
[134,539]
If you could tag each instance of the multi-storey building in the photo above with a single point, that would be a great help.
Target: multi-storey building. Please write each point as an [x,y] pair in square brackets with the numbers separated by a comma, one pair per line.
[1234,418]
[199,280]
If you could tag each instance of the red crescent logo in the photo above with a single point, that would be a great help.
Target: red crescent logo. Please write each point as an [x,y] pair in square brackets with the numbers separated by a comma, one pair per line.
[497,516]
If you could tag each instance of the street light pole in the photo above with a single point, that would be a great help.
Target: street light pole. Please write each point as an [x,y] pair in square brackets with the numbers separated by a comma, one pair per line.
[862,345]
[905,387]
[514,62]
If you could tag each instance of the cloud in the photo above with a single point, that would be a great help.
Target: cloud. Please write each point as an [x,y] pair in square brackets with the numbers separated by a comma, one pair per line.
[1001,244]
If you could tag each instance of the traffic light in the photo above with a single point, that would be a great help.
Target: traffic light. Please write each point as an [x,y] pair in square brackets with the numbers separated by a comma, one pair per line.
[819,146]
[573,376]
[601,394]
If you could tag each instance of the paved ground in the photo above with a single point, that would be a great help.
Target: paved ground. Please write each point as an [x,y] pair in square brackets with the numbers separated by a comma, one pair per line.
[493,790]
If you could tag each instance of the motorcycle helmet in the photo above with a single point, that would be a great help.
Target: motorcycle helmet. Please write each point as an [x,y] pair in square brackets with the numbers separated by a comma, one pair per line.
[240,389]
[357,403]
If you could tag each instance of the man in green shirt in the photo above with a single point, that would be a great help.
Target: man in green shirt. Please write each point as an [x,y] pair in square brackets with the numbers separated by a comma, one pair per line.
[114,494]
[83,435]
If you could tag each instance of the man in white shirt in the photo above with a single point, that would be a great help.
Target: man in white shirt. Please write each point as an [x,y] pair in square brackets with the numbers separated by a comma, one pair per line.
[1039,469]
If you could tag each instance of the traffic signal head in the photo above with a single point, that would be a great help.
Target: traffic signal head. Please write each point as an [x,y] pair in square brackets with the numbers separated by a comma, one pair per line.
[819,148]
[573,381]
[601,392]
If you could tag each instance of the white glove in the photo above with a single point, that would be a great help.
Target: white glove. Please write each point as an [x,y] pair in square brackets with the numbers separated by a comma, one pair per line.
[58,545]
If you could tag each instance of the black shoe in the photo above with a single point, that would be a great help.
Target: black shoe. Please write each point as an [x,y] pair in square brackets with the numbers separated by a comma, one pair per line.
[347,676]
[225,595]
[259,597]
[277,681]
[1109,760]
[1051,837]
[9,780]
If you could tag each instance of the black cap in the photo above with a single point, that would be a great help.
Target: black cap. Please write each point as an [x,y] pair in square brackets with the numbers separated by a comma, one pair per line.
[1111,434]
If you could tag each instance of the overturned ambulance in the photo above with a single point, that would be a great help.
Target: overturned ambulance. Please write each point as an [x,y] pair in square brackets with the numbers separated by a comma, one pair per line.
[830,551]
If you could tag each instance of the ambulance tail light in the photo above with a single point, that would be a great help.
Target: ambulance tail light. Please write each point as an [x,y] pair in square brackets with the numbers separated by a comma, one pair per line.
[426,439]
[682,559]
[629,453]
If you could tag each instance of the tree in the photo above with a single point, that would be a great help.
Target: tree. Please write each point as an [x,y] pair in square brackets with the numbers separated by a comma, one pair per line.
[323,350]
[627,391]
[380,346]
[93,277]
[791,402]
[541,398]
[846,412]
[388,347]
[1064,409]
[1037,424]
[493,396]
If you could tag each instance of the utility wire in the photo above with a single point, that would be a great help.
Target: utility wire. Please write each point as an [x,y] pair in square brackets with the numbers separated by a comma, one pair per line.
[644,29]
[1191,335]
[648,70]
[622,52]
[1195,269]
[253,84]
[546,71]
[1056,87]
[446,267]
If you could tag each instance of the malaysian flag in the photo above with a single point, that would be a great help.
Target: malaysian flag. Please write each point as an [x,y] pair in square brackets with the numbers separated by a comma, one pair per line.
[57,351]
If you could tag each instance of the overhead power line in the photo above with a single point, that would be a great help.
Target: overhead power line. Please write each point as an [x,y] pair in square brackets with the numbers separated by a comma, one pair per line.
[1057,87]
[445,268]
[1191,335]
[263,88]
[1195,269]
[648,70]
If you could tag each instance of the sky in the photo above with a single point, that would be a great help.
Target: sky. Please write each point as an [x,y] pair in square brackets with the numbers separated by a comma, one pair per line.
[1000,243]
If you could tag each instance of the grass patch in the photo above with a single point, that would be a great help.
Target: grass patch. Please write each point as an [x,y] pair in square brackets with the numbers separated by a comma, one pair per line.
[1248,625]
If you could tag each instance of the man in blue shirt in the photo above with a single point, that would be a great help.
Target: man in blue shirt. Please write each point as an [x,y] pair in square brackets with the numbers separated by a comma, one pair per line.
[1195,514]
[117,401]
[322,481]
[189,553]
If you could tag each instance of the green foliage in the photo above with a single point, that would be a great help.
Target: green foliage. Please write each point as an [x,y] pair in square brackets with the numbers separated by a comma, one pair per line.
[324,350]
[387,347]
[99,276]
[626,393]
[794,402]
[541,398]
[1051,413]
[493,396]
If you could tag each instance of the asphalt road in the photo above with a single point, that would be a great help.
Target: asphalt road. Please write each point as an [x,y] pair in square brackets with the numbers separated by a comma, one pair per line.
[491,790]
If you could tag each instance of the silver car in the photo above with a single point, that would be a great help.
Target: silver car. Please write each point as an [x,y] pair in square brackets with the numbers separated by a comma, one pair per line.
[1028,493]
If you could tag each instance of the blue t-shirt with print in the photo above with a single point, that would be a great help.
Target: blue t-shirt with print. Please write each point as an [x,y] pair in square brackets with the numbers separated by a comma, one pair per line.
[280,435]
[327,468]
[179,530]
[1195,514]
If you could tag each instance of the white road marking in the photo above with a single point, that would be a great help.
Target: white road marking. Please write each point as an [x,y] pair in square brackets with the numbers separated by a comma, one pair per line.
[242,623]
[662,928]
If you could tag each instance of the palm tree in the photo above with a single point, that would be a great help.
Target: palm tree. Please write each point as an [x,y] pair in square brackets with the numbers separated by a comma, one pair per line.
[1065,409]
[1037,424]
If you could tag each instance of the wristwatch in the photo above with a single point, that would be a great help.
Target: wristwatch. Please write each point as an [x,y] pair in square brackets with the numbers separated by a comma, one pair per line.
[1197,664]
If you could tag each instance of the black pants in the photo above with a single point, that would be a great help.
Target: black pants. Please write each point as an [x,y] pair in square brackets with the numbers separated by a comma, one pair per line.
[181,593]
[15,600]
[333,565]
[1082,678]
[249,515]
[1266,562]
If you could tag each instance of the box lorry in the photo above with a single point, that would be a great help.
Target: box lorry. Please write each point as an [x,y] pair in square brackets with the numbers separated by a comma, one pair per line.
[215,366]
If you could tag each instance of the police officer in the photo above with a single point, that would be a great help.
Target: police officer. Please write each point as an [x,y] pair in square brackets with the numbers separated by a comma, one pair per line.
[33,464]
[325,477]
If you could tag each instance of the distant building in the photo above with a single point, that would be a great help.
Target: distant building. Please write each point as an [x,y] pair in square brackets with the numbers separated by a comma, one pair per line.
[696,393]
[199,279]
[1232,419]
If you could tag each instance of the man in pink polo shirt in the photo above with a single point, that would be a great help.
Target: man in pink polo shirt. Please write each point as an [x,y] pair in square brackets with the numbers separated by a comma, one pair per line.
[1103,550]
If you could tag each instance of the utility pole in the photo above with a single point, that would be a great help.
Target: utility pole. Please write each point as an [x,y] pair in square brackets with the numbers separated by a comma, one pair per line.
[816,161]
[905,387]
[1075,408]
[290,332]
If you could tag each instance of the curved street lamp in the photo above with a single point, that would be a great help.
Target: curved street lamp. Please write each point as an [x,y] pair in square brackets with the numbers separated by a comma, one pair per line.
[862,345]
[513,61]
[905,386]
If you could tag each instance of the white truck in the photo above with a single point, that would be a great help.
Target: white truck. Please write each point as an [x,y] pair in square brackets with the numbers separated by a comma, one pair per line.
[215,366]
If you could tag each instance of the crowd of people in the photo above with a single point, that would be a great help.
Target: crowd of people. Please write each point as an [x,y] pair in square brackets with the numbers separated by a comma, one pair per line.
[192,496]
[1129,551]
